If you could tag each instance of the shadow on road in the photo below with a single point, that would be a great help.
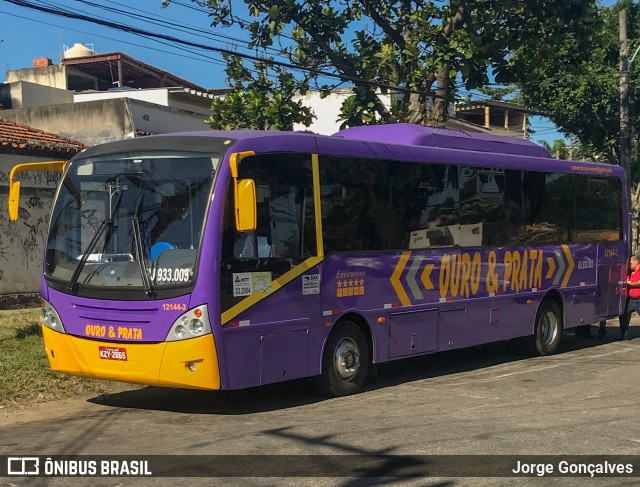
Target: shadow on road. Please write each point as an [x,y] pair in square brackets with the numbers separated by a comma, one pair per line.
[301,392]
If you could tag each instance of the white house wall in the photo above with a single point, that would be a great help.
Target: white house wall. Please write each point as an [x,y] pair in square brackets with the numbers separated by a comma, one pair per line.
[326,111]
[159,96]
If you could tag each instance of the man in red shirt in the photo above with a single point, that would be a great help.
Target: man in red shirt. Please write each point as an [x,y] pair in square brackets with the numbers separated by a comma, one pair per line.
[633,296]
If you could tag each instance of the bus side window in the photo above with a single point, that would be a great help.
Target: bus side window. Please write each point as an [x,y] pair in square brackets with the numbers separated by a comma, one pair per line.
[598,209]
[549,207]
[482,204]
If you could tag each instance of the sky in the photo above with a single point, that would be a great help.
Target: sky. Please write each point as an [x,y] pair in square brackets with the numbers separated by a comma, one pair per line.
[26,34]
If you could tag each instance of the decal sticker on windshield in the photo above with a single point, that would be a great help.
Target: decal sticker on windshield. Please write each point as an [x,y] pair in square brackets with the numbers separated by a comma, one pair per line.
[248,283]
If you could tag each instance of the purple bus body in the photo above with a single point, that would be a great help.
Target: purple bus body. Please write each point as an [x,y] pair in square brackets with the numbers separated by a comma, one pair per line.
[401,295]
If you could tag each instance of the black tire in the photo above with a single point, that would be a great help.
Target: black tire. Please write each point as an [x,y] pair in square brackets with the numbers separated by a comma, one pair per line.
[345,361]
[548,329]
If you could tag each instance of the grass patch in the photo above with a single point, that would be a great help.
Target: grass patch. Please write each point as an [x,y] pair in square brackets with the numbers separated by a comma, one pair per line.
[25,376]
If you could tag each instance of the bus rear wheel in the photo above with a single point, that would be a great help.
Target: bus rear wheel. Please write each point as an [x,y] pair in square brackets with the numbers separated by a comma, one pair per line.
[345,361]
[548,330]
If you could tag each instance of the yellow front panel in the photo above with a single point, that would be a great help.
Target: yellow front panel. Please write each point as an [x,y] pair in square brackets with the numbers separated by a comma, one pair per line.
[160,364]
[198,352]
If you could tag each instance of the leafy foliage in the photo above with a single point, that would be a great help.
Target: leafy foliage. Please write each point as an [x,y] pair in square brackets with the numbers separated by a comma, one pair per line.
[257,102]
[416,51]
[577,85]
[574,151]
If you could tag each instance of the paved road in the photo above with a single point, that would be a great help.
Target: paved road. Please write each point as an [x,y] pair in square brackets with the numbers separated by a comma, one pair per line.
[487,400]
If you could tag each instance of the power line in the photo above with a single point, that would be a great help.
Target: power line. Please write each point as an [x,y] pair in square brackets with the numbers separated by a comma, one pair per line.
[149,34]
[171,40]
[201,57]
[157,20]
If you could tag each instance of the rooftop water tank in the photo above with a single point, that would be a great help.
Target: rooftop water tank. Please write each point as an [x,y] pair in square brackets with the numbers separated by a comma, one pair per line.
[78,50]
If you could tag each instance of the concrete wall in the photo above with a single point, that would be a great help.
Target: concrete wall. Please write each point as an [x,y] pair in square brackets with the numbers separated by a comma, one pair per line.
[54,76]
[21,242]
[91,123]
[156,119]
[159,96]
[23,94]
[198,105]
[100,121]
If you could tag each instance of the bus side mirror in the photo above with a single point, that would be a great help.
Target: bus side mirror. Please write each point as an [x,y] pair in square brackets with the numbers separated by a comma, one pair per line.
[245,205]
[14,185]
[14,200]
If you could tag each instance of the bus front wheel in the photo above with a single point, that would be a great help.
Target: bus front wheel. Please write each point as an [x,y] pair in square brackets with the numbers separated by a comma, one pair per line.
[548,329]
[345,361]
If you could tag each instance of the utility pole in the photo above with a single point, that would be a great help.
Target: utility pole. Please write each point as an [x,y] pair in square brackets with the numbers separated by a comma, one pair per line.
[625,126]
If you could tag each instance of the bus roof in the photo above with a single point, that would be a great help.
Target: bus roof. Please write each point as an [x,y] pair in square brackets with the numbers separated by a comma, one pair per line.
[400,141]
[406,134]
[409,134]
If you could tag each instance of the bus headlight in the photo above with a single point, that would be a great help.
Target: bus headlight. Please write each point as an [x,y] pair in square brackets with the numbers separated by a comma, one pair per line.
[50,318]
[196,327]
[193,323]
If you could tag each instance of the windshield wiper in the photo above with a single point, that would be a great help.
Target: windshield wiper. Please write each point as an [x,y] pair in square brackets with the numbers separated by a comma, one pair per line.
[139,256]
[138,246]
[108,223]
[73,283]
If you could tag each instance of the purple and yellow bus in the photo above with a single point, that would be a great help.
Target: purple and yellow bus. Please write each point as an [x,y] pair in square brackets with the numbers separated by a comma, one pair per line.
[227,260]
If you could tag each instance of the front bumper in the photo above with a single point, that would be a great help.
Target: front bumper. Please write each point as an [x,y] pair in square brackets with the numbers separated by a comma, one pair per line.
[189,363]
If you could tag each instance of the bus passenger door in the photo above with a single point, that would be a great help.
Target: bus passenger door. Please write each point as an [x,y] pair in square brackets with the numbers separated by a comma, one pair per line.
[270,284]
[610,297]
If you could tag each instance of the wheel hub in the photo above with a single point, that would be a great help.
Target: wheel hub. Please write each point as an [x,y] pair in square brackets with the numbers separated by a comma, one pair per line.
[549,328]
[346,359]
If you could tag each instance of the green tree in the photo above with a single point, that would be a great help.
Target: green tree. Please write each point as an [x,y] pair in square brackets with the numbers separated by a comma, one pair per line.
[509,93]
[561,149]
[578,88]
[417,51]
[255,101]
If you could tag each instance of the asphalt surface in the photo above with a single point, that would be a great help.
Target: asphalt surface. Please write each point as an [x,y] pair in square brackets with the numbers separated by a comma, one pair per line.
[442,417]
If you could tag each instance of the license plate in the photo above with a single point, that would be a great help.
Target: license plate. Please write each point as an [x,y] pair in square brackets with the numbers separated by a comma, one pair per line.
[113,353]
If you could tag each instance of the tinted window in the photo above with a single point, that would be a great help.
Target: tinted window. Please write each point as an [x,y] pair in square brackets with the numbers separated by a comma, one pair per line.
[598,209]
[393,205]
[371,204]
[490,206]
[549,207]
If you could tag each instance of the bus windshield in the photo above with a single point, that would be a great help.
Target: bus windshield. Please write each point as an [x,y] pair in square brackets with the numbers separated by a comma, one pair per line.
[130,220]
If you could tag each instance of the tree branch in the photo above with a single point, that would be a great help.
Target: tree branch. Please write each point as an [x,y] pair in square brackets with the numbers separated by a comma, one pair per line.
[341,63]
[384,23]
